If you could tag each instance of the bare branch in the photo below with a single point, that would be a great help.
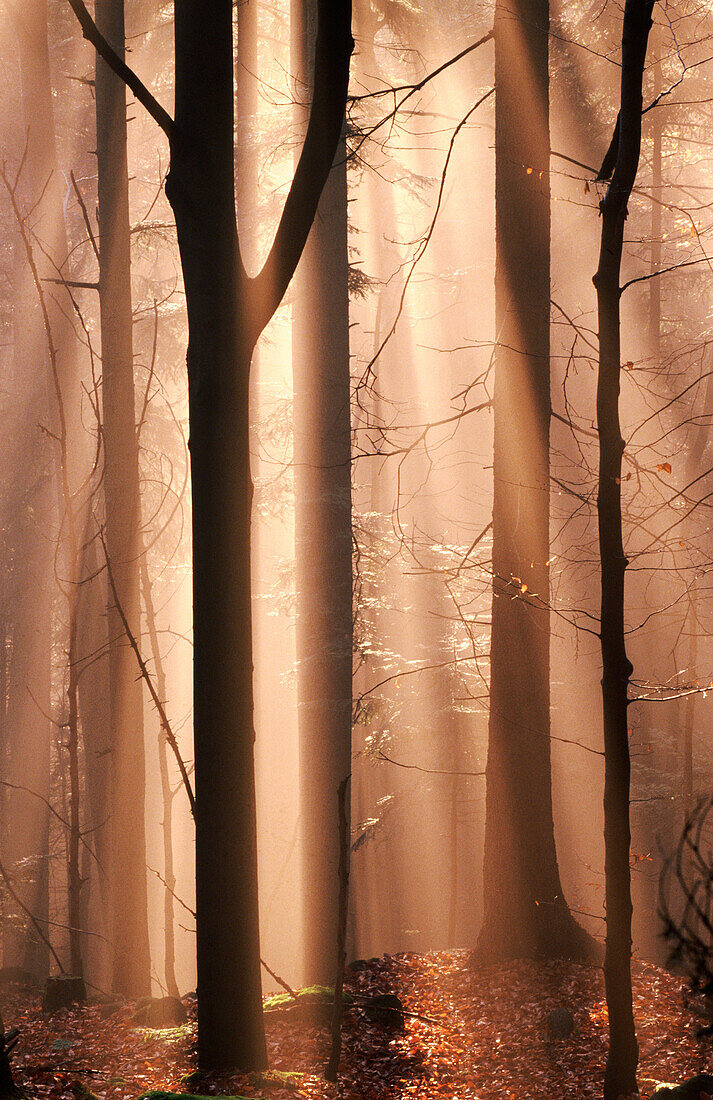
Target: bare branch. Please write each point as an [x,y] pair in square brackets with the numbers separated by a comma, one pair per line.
[92,33]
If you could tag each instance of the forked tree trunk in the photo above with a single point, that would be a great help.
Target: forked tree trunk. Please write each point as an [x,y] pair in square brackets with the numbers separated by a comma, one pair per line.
[525,911]
[130,937]
[621,164]
[227,311]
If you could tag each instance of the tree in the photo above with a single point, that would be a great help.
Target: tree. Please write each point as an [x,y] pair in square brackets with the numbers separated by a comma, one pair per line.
[227,311]
[323,531]
[129,933]
[47,344]
[525,910]
[620,166]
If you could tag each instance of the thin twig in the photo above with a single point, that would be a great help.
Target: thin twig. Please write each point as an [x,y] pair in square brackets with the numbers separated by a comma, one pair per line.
[166,725]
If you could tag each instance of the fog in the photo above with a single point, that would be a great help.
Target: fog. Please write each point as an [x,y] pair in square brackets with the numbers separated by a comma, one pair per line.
[423,339]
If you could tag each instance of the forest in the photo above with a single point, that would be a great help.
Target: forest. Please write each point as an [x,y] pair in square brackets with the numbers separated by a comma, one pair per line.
[356,405]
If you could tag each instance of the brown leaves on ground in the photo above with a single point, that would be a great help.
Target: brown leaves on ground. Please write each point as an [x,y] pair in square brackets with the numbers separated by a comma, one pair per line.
[485,1038]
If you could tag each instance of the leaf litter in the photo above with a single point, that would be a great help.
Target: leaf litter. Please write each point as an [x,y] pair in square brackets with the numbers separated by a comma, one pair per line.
[469,1034]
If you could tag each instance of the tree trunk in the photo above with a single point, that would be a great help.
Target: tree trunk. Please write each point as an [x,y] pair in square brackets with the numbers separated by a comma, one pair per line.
[656,225]
[132,963]
[323,531]
[623,157]
[94,708]
[167,795]
[525,911]
[51,345]
[201,191]
[226,314]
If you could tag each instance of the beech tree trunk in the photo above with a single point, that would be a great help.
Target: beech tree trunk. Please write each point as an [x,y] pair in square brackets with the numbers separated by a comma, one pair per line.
[621,163]
[323,531]
[525,911]
[130,937]
[227,311]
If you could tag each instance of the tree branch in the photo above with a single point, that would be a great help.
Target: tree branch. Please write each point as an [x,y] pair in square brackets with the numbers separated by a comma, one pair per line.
[108,54]
[331,81]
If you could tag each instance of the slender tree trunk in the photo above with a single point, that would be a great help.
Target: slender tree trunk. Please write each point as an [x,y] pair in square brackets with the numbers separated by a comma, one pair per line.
[525,911]
[656,226]
[74,871]
[94,708]
[323,531]
[28,755]
[689,709]
[623,160]
[131,976]
[697,445]
[167,794]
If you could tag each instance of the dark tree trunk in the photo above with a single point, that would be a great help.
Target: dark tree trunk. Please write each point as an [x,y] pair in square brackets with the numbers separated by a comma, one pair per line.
[226,313]
[656,224]
[525,911]
[131,969]
[620,1075]
[7,1084]
[323,531]
[201,190]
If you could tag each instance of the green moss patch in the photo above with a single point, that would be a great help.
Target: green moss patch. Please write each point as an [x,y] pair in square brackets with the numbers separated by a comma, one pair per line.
[276,1078]
[163,1034]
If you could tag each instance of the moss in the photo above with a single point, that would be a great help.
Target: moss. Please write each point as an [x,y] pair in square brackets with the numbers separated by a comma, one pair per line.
[310,994]
[276,1078]
[81,1092]
[163,1034]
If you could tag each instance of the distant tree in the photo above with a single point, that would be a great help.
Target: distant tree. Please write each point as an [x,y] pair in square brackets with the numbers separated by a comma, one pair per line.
[525,909]
[227,311]
[620,167]
[45,344]
[129,933]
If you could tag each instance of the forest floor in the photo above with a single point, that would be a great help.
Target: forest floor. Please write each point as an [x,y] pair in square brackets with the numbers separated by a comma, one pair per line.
[484,1037]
